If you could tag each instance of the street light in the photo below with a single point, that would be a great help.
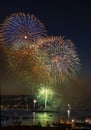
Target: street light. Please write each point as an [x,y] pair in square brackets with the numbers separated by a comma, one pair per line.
[34,101]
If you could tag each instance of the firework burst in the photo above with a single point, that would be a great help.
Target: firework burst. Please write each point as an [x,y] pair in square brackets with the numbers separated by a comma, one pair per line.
[36,58]
[21,27]
[24,63]
[60,57]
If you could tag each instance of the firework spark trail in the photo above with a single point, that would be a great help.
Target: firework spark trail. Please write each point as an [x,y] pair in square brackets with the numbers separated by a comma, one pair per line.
[4,70]
[22,59]
[23,63]
[60,57]
[21,27]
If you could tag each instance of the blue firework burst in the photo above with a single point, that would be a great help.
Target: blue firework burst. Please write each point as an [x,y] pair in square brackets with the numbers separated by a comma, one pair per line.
[22,27]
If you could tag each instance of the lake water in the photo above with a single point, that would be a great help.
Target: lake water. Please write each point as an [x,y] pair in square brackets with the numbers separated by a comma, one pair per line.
[29,118]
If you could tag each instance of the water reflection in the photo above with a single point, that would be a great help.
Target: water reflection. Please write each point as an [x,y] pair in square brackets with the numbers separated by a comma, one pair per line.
[30,118]
[33,118]
[44,118]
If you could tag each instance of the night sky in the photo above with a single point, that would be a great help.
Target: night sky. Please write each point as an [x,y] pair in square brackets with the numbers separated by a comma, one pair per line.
[68,18]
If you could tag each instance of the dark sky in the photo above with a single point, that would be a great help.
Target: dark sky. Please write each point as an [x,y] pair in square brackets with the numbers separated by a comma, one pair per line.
[68,18]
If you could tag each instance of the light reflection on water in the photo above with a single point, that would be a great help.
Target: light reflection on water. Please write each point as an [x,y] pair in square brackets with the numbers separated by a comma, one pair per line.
[45,117]
[31,118]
